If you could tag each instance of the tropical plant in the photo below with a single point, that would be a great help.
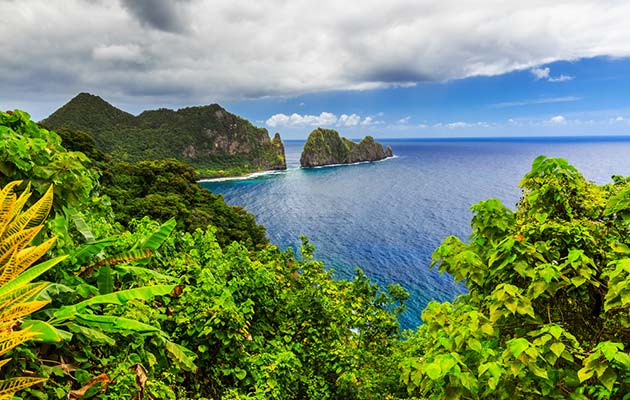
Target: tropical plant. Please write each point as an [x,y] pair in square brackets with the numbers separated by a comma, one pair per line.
[18,294]
[30,153]
[546,315]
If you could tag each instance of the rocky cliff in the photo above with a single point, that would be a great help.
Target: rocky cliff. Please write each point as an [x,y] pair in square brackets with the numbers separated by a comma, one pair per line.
[208,137]
[326,147]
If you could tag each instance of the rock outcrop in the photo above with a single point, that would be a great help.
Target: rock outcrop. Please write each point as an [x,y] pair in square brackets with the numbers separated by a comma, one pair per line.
[205,137]
[326,147]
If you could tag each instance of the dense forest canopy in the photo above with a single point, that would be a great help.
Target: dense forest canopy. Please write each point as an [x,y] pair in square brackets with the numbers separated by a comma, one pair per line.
[127,301]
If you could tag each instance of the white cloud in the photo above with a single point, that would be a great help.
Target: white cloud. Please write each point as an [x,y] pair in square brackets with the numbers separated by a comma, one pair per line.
[558,119]
[404,120]
[230,49]
[367,121]
[128,52]
[462,124]
[458,124]
[543,100]
[545,74]
[348,120]
[540,73]
[561,78]
[324,119]
[619,119]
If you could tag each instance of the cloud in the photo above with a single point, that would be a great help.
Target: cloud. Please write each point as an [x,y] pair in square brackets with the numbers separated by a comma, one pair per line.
[404,120]
[558,120]
[561,78]
[164,15]
[460,124]
[540,73]
[537,101]
[227,50]
[348,120]
[545,74]
[128,53]
[324,119]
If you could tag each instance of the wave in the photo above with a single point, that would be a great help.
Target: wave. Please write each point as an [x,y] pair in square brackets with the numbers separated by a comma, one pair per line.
[282,171]
[244,177]
[354,163]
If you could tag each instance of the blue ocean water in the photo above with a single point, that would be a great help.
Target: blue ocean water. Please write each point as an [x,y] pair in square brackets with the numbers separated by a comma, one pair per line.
[387,217]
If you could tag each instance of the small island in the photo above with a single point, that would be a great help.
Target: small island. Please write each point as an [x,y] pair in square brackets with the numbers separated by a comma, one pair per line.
[326,147]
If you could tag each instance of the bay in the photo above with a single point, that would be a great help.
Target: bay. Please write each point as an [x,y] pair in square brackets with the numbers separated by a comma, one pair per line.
[387,217]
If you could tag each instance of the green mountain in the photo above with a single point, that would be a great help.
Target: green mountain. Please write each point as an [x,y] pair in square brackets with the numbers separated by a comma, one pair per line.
[326,147]
[209,138]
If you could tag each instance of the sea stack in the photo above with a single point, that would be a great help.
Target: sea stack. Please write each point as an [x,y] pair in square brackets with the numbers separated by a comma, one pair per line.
[326,147]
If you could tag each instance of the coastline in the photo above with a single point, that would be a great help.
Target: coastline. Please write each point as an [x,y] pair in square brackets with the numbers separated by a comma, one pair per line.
[348,164]
[282,171]
[242,177]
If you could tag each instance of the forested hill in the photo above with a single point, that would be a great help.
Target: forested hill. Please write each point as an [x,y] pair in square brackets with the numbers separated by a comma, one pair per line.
[326,147]
[208,138]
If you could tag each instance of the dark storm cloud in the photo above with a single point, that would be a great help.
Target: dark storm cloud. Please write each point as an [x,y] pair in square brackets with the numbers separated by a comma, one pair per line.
[164,15]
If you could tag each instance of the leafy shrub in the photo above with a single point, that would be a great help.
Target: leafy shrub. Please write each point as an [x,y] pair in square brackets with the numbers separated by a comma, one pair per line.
[546,315]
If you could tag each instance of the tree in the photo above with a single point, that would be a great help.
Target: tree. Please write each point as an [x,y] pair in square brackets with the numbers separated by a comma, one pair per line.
[547,310]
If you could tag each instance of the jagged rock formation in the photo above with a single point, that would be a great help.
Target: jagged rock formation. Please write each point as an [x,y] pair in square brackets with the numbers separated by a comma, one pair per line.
[206,137]
[326,147]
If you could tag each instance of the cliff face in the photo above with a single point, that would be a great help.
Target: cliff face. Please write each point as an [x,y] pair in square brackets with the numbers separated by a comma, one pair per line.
[326,147]
[204,137]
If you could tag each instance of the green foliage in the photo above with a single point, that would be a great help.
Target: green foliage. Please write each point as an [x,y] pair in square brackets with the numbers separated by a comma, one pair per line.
[28,152]
[325,147]
[208,138]
[276,327]
[546,315]
[168,189]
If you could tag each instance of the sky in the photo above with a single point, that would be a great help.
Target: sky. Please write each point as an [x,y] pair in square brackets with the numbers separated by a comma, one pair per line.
[391,69]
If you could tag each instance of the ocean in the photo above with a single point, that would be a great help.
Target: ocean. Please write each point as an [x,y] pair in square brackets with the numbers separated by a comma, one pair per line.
[387,217]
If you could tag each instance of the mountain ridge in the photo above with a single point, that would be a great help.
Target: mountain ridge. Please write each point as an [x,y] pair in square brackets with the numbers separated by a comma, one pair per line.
[209,138]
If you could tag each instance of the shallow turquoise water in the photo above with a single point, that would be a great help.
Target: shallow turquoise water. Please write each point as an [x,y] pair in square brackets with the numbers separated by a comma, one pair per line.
[387,217]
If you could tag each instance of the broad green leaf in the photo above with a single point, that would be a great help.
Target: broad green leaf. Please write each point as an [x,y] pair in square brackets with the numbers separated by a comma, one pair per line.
[105,280]
[92,334]
[585,374]
[145,272]
[184,357]
[45,332]
[120,297]
[433,371]
[159,236]
[610,349]
[86,251]
[517,346]
[78,221]
[608,378]
[111,323]
[557,348]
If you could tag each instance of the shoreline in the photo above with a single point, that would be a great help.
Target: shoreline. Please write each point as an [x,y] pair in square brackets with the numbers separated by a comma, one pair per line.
[242,177]
[348,164]
[283,171]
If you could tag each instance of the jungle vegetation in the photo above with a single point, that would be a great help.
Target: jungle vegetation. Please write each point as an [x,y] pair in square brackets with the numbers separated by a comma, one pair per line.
[94,308]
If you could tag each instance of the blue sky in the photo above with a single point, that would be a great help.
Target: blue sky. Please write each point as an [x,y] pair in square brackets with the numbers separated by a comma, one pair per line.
[591,99]
[396,68]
